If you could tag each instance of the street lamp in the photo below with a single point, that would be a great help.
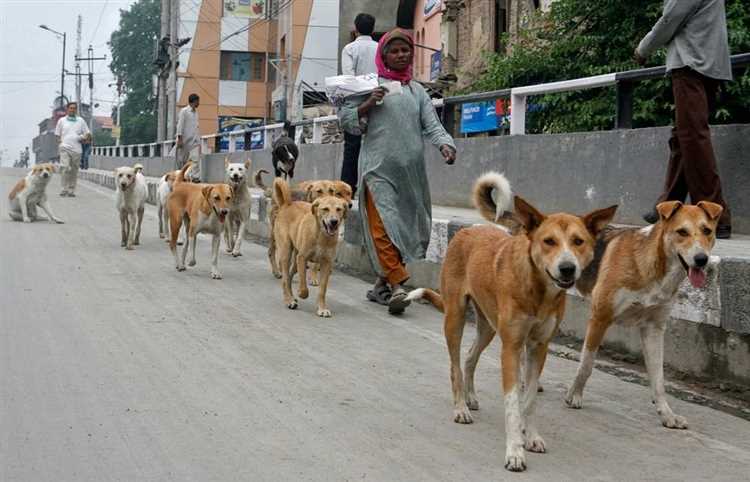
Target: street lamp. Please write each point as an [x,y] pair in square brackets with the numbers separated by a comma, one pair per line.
[62,71]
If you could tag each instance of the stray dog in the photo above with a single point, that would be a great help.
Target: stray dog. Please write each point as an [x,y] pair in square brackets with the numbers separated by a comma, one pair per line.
[517,285]
[306,232]
[204,209]
[239,213]
[30,192]
[132,193]
[284,155]
[633,281]
[162,193]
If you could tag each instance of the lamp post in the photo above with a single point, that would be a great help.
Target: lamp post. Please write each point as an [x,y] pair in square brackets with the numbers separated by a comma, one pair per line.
[62,71]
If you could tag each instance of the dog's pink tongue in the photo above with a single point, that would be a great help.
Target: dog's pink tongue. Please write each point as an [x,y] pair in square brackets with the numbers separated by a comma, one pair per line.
[697,277]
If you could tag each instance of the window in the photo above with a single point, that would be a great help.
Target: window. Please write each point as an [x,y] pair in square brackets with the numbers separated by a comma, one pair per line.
[501,24]
[244,66]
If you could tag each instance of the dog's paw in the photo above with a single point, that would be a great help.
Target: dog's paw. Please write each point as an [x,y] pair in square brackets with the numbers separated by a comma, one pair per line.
[123,244]
[303,293]
[293,305]
[539,388]
[324,313]
[180,243]
[130,247]
[472,402]
[162,236]
[236,254]
[574,400]
[229,250]
[181,268]
[535,444]
[462,415]
[515,460]
[277,275]
[26,220]
[215,274]
[314,282]
[191,262]
[671,420]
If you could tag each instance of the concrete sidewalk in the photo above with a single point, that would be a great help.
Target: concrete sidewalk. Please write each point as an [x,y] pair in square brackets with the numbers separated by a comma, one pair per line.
[116,367]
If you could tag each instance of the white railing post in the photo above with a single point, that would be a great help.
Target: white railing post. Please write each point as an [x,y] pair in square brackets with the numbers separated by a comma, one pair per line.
[232,142]
[267,142]
[517,114]
[204,145]
[317,136]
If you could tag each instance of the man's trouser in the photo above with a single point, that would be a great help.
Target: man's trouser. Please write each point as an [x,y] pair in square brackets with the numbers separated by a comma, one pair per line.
[692,163]
[85,156]
[350,166]
[189,153]
[69,162]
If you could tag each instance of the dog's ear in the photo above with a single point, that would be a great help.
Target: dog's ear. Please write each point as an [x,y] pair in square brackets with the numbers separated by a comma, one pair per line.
[528,214]
[248,163]
[314,208]
[207,192]
[596,221]
[667,209]
[226,162]
[712,210]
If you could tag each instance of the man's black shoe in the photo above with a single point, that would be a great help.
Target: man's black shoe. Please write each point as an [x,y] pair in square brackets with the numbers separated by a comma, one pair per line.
[723,231]
[651,217]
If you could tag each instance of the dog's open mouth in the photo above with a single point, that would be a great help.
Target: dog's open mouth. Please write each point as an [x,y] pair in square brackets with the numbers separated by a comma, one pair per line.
[564,284]
[697,276]
[329,229]
[222,217]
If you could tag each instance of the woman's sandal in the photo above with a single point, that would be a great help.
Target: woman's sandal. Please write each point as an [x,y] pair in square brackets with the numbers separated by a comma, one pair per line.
[398,302]
[380,295]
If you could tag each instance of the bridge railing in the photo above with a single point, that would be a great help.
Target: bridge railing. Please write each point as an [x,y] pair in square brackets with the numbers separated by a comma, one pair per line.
[624,82]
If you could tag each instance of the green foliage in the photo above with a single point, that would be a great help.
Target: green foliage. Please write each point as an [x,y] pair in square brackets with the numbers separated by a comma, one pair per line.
[103,138]
[580,38]
[132,46]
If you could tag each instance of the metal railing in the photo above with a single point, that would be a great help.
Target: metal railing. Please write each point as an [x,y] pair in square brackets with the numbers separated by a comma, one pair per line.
[624,82]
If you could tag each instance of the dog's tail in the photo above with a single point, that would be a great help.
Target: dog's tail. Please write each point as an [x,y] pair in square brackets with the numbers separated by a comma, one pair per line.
[138,167]
[282,195]
[498,208]
[183,172]
[259,178]
[427,294]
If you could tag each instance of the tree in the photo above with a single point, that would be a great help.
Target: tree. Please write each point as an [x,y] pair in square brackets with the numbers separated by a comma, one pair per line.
[579,38]
[132,46]
[103,137]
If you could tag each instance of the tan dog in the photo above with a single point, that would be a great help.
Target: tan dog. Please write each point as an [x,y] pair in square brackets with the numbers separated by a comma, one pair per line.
[30,192]
[306,232]
[634,280]
[517,285]
[204,209]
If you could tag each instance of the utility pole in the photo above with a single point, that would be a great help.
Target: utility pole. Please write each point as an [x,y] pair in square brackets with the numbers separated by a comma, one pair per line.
[90,75]
[62,70]
[174,31]
[162,62]
[78,61]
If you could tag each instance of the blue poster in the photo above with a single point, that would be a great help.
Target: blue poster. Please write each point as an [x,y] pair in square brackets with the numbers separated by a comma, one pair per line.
[435,61]
[431,6]
[478,117]
[233,124]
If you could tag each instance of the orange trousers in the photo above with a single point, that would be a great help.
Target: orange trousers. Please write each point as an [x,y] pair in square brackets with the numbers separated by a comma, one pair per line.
[388,254]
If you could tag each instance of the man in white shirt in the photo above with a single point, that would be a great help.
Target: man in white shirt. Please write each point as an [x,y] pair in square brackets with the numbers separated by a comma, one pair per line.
[188,146]
[71,132]
[357,58]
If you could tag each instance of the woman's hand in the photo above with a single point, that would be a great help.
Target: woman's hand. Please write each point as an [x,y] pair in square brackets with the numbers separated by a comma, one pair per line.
[449,154]
[375,97]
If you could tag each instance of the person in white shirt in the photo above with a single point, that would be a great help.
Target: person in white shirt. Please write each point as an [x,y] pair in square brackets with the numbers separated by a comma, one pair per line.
[188,146]
[71,132]
[357,58]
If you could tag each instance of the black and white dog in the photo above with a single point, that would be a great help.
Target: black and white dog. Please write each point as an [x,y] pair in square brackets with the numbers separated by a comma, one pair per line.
[284,154]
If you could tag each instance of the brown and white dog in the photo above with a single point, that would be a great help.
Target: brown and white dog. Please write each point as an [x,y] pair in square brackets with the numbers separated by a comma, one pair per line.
[305,233]
[236,175]
[633,281]
[517,286]
[204,209]
[30,192]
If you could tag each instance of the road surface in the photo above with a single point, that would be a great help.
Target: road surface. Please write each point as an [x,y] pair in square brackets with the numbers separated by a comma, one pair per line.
[114,366]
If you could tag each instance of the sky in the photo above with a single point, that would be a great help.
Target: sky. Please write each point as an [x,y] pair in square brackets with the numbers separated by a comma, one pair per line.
[30,62]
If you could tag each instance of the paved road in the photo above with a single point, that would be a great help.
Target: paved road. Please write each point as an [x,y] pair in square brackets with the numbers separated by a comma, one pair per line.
[113,366]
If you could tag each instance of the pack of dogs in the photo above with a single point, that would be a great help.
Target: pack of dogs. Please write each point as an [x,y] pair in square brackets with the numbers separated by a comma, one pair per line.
[515,271]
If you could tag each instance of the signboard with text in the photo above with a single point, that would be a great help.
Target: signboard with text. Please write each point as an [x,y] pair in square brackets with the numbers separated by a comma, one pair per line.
[478,117]
[435,61]
[245,8]
[233,124]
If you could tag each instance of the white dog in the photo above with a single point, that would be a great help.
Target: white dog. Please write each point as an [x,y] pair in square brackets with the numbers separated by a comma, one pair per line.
[30,192]
[132,192]
[236,177]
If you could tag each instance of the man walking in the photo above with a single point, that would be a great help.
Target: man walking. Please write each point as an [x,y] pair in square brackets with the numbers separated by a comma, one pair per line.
[695,33]
[71,131]
[188,146]
[357,58]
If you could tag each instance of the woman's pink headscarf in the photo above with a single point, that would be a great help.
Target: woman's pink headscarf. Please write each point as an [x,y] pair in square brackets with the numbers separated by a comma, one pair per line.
[403,76]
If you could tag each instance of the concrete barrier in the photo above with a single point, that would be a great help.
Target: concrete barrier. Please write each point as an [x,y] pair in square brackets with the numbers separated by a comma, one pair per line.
[563,172]
[709,331]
